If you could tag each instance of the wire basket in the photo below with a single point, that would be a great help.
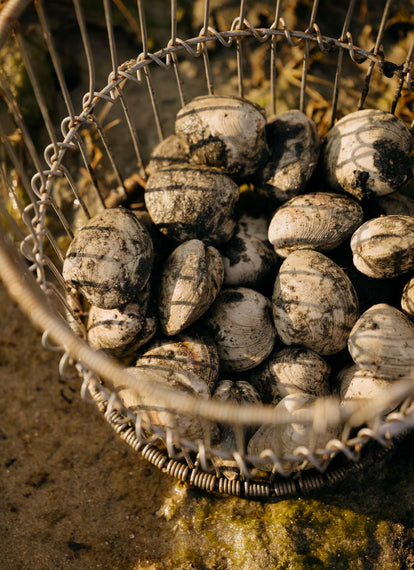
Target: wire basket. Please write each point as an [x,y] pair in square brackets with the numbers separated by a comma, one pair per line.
[85,107]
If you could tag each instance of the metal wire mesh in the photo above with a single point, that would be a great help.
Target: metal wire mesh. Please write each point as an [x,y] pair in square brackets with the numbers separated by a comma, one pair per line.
[90,152]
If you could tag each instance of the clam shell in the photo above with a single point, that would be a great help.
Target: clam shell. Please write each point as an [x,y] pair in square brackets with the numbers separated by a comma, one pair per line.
[190,281]
[191,352]
[187,427]
[384,247]
[192,202]
[368,152]
[320,221]
[382,341]
[290,370]
[314,302]
[253,226]
[247,261]
[223,132]
[241,325]
[110,259]
[284,439]
[396,204]
[294,151]
[238,392]
[407,299]
[357,384]
[118,331]
[167,153]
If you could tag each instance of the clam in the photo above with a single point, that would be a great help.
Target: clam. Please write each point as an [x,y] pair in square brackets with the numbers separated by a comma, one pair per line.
[190,352]
[253,226]
[223,132]
[117,331]
[357,384]
[321,221]
[110,259]
[192,202]
[382,342]
[247,261]
[238,392]
[283,440]
[167,153]
[314,302]
[407,299]
[294,150]
[384,247]
[290,370]
[368,152]
[190,281]
[396,204]
[149,405]
[241,324]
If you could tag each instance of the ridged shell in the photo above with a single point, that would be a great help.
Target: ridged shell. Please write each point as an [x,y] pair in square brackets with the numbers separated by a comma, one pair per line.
[314,302]
[320,221]
[110,259]
[187,427]
[294,151]
[407,298]
[368,151]
[384,247]
[241,325]
[290,370]
[382,341]
[247,261]
[284,439]
[190,281]
[224,132]
[167,153]
[357,384]
[192,202]
[238,392]
[116,331]
[191,352]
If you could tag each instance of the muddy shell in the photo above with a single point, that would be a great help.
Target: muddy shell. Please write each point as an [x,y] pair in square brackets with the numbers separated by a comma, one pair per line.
[239,392]
[407,298]
[110,259]
[190,281]
[367,152]
[290,370]
[191,352]
[314,302]
[396,204]
[224,132]
[241,325]
[384,247]
[382,341]
[167,153]
[192,202]
[321,221]
[253,226]
[294,151]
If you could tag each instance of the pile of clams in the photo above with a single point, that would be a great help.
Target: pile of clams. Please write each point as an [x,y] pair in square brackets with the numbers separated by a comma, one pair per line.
[270,266]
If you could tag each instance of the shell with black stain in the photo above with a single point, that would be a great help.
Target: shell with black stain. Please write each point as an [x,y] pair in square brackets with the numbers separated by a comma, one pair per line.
[284,439]
[241,325]
[407,298]
[354,383]
[240,392]
[294,151]
[187,427]
[382,341]
[368,152]
[167,153]
[247,261]
[321,221]
[192,352]
[253,226]
[224,132]
[190,281]
[192,202]
[384,247]
[110,259]
[314,302]
[290,370]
